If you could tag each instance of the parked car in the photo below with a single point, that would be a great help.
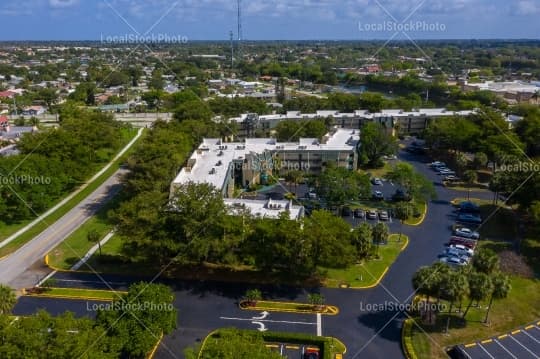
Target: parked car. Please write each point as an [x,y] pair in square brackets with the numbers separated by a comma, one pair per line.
[371,214]
[346,211]
[463,250]
[378,195]
[359,213]
[376,181]
[311,353]
[383,216]
[452,178]
[466,233]
[400,196]
[437,164]
[467,242]
[469,207]
[469,218]
[451,260]
[447,172]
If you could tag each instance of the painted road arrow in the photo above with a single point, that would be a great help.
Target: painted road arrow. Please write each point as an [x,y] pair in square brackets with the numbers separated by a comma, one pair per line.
[262,327]
[263,315]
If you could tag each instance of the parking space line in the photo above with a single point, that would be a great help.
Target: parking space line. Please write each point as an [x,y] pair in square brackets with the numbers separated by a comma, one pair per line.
[319,325]
[524,347]
[484,349]
[530,336]
[505,349]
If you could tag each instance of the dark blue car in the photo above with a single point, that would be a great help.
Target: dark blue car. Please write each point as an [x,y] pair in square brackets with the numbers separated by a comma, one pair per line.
[469,218]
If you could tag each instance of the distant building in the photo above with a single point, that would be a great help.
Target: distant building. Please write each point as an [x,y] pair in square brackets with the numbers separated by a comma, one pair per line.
[34,110]
[403,122]
[512,91]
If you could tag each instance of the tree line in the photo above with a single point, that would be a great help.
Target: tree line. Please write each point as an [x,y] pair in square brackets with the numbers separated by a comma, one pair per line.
[52,162]
[126,328]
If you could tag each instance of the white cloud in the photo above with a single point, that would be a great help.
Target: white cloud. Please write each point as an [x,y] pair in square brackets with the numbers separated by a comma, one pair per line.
[60,4]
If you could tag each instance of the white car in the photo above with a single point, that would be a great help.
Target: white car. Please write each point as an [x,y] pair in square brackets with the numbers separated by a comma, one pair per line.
[447,172]
[437,164]
[466,233]
[452,260]
[462,250]
[451,178]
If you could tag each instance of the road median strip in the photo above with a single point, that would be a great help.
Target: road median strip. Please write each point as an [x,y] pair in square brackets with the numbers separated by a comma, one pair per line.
[75,293]
[289,307]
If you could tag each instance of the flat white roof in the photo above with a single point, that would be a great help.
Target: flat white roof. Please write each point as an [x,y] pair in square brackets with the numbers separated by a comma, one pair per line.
[296,115]
[214,158]
[264,208]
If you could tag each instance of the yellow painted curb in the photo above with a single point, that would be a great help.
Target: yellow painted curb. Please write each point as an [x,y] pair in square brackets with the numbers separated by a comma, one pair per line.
[330,309]
[70,297]
[153,352]
[378,281]
[204,342]
[406,339]
[64,270]
[422,217]
[340,342]
[77,297]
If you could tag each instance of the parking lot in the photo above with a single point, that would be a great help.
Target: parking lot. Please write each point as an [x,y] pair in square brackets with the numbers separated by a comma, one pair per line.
[521,343]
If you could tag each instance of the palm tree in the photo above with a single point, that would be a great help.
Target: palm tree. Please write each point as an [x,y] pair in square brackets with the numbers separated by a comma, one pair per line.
[380,234]
[7,299]
[501,288]
[317,300]
[252,296]
[94,237]
[480,286]
[470,177]
[485,261]
[427,281]
[401,212]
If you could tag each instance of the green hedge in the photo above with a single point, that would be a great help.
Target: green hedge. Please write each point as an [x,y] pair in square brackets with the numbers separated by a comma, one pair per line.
[406,339]
[324,343]
[299,338]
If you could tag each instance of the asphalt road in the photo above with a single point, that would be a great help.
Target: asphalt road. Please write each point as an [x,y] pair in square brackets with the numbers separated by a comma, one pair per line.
[14,270]
[369,322]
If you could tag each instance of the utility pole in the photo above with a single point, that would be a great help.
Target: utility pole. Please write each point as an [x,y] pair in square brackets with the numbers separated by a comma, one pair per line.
[231,36]
[240,35]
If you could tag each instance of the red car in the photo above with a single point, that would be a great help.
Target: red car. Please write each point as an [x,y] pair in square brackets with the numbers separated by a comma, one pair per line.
[467,242]
[311,353]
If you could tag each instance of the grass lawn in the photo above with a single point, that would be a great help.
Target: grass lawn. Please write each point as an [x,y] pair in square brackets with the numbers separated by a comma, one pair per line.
[379,172]
[261,305]
[368,273]
[422,209]
[82,293]
[70,251]
[520,308]
[53,217]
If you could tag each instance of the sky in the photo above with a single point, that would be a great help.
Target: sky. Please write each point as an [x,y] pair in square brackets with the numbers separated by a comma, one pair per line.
[114,20]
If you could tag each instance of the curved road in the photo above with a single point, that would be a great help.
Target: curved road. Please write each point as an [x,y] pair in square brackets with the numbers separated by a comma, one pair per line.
[16,271]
